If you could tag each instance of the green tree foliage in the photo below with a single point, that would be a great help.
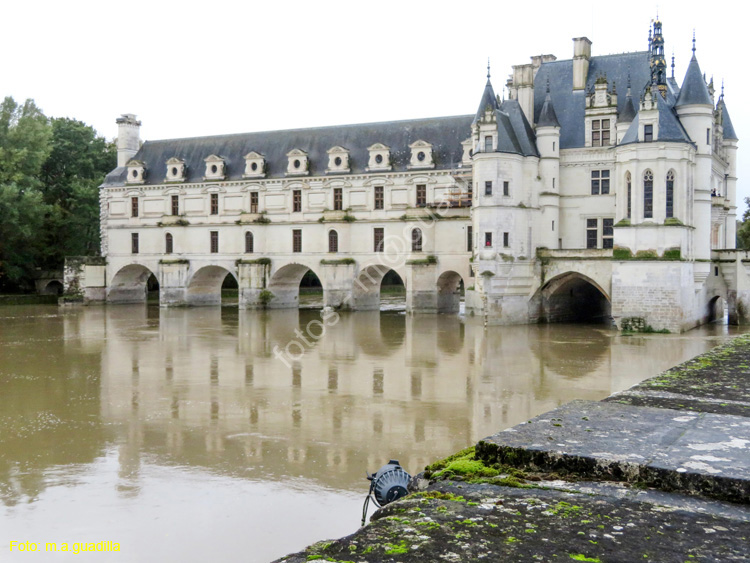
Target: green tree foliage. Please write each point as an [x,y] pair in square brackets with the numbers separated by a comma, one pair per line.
[50,170]
[70,178]
[24,146]
[743,228]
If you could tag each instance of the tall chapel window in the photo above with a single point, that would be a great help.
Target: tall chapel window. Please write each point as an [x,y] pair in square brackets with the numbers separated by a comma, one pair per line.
[629,184]
[670,193]
[333,241]
[648,194]
[249,243]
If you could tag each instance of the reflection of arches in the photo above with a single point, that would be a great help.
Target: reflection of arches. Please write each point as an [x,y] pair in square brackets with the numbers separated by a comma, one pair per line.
[715,310]
[54,287]
[129,285]
[284,284]
[570,297]
[204,287]
[366,291]
[449,292]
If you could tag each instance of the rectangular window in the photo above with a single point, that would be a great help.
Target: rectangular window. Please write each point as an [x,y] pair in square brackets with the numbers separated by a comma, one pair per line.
[175,205]
[488,143]
[592,232]
[378,197]
[134,207]
[708,136]
[416,240]
[253,202]
[600,133]
[469,238]
[338,199]
[134,243]
[599,182]
[377,239]
[553,225]
[296,240]
[506,188]
[607,232]
[296,201]
[630,193]
[506,240]
[648,133]
[421,195]
[487,239]
[670,194]
[488,188]
[214,242]
[168,244]
[214,204]
[333,241]
[470,188]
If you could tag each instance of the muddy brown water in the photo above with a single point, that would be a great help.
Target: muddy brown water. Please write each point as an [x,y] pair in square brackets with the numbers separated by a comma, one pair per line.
[206,434]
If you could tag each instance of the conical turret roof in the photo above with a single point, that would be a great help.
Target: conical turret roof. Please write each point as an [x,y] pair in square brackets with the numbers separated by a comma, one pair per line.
[694,90]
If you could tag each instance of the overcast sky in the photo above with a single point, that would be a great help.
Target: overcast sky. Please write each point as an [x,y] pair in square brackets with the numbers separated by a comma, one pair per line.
[194,68]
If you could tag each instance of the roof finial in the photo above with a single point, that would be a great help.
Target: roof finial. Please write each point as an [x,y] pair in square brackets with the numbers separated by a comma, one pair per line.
[672,63]
[693,41]
[488,68]
[722,88]
[548,84]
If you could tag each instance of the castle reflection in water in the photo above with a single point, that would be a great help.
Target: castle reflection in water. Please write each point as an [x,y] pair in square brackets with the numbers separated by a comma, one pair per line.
[202,387]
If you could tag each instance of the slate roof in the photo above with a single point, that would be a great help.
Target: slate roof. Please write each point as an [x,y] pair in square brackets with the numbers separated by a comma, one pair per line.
[570,104]
[670,127]
[445,134]
[694,89]
[547,115]
[726,122]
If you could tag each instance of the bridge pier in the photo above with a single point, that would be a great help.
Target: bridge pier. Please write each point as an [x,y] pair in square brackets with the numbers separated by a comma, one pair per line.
[421,292]
[338,285]
[252,281]
[173,278]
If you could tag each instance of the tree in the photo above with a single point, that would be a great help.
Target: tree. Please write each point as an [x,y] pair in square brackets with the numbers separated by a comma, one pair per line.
[24,146]
[70,179]
[743,228]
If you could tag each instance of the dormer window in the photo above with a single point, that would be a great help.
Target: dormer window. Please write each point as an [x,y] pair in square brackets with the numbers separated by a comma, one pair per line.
[600,132]
[380,157]
[215,168]
[298,163]
[176,170]
[136,172]
[255,165]
[421,155]
[338,160]
[648,133]
[468,152]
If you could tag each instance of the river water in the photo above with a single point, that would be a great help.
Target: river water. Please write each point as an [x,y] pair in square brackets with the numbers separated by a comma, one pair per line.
[217,434]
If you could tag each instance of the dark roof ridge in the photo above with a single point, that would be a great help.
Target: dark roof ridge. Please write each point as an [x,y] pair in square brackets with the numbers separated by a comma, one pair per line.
[302,129]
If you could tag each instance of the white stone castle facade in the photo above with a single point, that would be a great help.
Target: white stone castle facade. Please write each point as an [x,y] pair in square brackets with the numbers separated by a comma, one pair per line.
[601,187]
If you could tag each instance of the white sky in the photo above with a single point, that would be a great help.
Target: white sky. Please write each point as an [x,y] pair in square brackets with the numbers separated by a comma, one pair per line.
[194,68]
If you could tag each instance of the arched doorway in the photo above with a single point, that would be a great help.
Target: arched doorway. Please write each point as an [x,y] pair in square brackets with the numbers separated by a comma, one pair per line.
[310,291]
[205,287]
[131,285]
[54,287]
[715,310]
[285,284]
[450,290]
[379,287]
[571,298]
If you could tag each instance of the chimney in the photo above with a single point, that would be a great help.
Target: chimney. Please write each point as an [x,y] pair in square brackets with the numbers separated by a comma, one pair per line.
[128,138]
[581,57]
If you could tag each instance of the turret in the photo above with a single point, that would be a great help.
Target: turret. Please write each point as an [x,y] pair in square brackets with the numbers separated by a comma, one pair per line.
[658,62]
[548,143]
[626,115]
[128,138]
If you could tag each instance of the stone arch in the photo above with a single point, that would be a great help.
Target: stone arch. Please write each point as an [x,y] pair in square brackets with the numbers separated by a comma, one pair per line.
[570,297]
[52,287]
[204,287]
[129,284]
[284,284]
[715,309]
[449,292]
[366,290]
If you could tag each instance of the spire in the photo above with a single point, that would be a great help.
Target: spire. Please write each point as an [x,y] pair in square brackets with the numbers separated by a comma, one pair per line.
[672,63]
[658,62]
[694,89]
[489,99]
[628,111]
[548,117]
[693,43]
[726,122]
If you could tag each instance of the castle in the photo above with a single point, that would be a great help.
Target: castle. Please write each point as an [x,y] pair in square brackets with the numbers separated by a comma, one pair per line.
[603,187]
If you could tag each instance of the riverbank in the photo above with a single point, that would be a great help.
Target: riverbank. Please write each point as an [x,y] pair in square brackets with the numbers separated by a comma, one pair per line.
[660,472]
[27,299]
